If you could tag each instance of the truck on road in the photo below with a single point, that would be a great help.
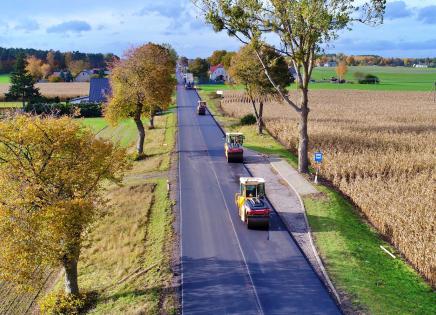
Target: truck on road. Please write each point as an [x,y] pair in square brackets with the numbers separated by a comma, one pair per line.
[189,81]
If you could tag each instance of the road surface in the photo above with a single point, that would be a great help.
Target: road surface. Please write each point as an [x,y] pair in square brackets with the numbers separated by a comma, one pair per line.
[226,268]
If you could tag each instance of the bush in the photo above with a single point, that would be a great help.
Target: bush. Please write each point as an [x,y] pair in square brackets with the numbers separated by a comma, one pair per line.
[88,110]
[85,110]
[54,79]
[366,78]
[59,303]
[248,120]
[57,109]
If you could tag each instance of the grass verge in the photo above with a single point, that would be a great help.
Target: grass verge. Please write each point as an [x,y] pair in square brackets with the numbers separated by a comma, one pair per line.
[368,279]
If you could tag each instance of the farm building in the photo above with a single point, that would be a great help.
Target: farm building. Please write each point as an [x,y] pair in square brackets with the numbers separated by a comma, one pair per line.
[99,89]
[330,64]
[420,66]
[218,73]
[84,76]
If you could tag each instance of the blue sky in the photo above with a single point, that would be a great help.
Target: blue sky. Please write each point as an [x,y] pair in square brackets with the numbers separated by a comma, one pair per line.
[113,26]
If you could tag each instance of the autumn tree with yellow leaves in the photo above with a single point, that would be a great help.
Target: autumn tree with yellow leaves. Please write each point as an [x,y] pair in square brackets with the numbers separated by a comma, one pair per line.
[52,173]
[142,83]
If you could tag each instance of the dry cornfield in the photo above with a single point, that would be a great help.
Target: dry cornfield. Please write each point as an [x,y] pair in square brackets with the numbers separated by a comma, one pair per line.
[379,149]
[61,89]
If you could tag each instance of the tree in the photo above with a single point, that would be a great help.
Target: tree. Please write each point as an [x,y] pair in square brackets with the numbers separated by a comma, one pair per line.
[68,57]
[200,68]
[22,83]
[351,61]
[217,57]
[227,59]
[77,66]
[142,83]
[34,67]
[52,174]
[46,70]
[301,26]
[245,69]
[51,59]
[184,61]
[341,70]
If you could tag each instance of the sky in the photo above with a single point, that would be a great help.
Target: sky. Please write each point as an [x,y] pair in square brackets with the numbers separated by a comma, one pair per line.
[409,29]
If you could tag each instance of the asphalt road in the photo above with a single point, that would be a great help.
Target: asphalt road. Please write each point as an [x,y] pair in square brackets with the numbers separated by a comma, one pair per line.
[226,268]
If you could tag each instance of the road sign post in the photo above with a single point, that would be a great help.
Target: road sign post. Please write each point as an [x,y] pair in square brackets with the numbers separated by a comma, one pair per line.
[318,160]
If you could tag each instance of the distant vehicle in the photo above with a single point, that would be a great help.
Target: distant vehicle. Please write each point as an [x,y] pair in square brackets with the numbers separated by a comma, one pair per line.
[201,108]
[189,81]
[251,202]
[234,147]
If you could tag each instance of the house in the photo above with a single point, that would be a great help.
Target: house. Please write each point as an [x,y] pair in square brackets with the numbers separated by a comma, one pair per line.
[218,73]
[330,64]
[84,76]
[99,89]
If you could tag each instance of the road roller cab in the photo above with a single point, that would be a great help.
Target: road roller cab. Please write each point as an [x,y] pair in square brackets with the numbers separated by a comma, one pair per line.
[201,108]
[251,202]
[234,147]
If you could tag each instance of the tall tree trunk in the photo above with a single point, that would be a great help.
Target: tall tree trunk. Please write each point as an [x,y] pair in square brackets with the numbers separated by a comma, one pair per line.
[303,145]
[260,119]
[70,269]
[24,101]
[151,119]
[141,130]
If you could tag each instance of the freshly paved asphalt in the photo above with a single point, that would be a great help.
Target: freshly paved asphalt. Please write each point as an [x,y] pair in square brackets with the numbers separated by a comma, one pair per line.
[226,268]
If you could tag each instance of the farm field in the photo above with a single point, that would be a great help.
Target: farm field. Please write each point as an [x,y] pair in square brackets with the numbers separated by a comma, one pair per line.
[62,90]
[392,78]
[366,276]
[379,150]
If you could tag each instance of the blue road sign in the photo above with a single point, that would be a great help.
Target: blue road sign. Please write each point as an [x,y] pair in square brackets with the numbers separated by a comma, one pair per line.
[318,157]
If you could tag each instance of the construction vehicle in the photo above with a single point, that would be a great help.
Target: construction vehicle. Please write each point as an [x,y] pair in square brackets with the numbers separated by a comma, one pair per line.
[251,202]
[233,147]
[201,108]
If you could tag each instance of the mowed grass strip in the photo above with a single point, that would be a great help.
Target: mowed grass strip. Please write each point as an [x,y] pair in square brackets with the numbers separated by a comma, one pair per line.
[369,280]
[358,266]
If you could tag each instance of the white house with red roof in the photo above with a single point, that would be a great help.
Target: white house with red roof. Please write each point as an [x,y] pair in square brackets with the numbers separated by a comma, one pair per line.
[218,73]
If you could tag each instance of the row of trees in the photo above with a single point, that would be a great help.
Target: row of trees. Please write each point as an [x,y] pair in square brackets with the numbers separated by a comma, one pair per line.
[55,59]
[53,170]
[41,69]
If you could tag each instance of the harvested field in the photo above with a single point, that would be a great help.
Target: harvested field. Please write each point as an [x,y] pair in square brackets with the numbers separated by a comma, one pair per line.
[62,90]
[379,149]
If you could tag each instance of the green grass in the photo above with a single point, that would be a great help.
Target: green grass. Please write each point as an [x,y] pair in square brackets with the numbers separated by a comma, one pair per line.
[5,78]
[351,251]
[11,104]
[350,248]
[391,78]
[125,133]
